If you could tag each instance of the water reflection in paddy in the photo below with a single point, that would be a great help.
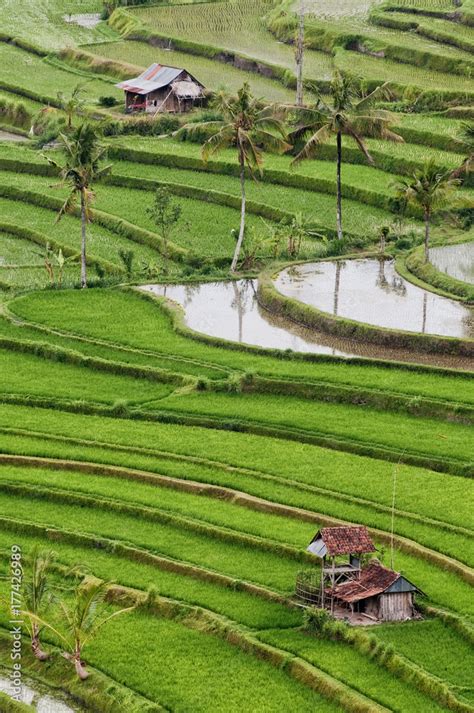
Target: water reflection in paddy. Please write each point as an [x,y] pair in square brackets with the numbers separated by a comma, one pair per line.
[455,260]
[371,291]
[35,695]
[230,310]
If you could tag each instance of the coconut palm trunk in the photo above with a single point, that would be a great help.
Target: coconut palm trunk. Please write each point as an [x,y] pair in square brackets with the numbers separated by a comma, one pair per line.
[427,217]
[79,666]
[36,645]
[242,212]
[339,186]
[83,239]
[300,56]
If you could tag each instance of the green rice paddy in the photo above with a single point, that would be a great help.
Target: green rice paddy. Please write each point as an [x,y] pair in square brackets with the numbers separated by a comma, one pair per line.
[195,471]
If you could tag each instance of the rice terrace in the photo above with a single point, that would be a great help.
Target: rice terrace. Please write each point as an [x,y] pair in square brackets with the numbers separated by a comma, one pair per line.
[236,356]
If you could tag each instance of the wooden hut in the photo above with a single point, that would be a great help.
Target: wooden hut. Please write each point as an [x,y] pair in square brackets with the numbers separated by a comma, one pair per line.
[340,549]
[372,590]
[162,89]
[378,592]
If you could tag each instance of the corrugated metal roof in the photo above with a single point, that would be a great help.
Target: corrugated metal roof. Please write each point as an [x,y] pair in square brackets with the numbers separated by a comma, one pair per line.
[153,78]
[341,541]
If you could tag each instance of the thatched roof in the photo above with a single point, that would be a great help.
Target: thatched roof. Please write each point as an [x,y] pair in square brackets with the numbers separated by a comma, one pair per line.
[186,90]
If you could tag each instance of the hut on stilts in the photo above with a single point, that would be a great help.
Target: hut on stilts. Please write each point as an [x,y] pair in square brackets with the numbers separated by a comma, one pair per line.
[369,589]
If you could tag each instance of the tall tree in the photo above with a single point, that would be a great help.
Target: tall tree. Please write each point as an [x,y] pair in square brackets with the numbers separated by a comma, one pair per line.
[248,125]
[71,103]
[430,190]
[83,154]
[349,112]
[299,55]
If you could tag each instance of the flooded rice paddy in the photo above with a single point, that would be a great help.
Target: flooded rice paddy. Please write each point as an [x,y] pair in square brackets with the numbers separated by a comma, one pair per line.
[230,310]
[36,695]
[455,260]
[371,291]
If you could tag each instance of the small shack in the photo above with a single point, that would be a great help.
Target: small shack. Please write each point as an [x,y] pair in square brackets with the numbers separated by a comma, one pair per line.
[378,592]
[340,549]
[162,89]
[346,583]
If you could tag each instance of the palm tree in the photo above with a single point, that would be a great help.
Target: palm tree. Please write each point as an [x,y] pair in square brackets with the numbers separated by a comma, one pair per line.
[38,596]
[247,124]
[82,620]
[466,141]
[83,154]
[71,103]
[350,113]
[430,190]
[299,55]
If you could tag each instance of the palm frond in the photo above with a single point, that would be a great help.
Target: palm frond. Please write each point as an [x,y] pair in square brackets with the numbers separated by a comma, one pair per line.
[359,141]
[68,205]
[313,143]
[220,140]
[381,93]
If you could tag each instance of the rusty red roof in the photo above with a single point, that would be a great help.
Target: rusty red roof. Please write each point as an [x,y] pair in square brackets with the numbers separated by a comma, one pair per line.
[374,579]
[346,540]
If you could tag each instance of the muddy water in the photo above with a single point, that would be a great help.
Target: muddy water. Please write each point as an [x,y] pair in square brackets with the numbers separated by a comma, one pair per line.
[371,291]
[455,260]
[230,310]
[36,696]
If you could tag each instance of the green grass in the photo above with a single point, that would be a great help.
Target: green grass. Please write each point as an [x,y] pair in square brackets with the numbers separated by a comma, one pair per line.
[342,10]
[211,73]
[31,106]
[204,228]
[167,361]
[202,658]
[237,518]
[380,178]
[419,642]
[230,558]
[239,606]
[359,218]
[42,22]
[182,668]
[28,375]
[18,252]
[204,663]
[404,433]
[356,670]
[25,277]
[330,471]
[384,70]
[442,587]
[415,152]
[439,30]
[102,243]
[424,5]
[70,311]
[235,26]
[20,66]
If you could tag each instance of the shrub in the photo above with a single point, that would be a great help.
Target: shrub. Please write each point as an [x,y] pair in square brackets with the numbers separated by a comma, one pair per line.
[108,101]
[316,620]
